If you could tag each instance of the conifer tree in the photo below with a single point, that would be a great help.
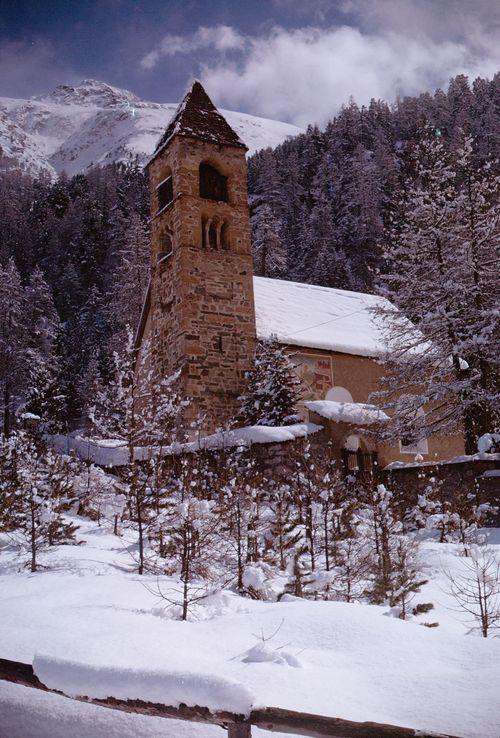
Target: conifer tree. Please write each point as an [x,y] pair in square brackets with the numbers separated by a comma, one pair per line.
[44,494]
[273,388]
[13,344]
[431,257]
[269,252]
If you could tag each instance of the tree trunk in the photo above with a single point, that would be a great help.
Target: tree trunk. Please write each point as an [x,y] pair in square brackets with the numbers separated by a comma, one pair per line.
[33,538]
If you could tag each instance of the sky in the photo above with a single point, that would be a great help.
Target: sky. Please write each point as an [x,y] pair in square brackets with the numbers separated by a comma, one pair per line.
[291,60]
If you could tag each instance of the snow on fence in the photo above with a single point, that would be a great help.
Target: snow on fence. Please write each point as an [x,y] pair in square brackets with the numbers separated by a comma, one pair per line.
[230,706]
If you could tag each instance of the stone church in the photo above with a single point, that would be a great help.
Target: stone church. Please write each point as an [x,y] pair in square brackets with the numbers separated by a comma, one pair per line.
[204,310]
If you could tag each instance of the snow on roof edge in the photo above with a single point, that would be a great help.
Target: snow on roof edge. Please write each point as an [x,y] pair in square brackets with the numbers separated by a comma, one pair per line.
[354,413]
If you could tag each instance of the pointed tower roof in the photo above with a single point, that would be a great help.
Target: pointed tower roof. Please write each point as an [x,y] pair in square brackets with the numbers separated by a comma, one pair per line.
[197,117]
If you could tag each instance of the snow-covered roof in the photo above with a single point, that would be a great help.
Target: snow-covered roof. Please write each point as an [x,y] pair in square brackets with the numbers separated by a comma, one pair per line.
[197,117]
[319,317]
[357,413]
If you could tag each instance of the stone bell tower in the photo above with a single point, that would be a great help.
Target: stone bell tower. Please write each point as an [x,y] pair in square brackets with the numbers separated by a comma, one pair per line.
[201,317]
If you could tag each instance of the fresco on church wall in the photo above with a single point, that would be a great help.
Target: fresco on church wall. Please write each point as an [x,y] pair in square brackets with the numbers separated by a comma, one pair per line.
[315,373]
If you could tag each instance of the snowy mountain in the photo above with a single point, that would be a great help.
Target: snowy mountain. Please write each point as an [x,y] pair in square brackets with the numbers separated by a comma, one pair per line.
[73,128]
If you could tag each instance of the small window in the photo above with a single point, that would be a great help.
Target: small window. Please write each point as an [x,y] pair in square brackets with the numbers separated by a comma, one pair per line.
[165,246]
[165,192]
[213,185]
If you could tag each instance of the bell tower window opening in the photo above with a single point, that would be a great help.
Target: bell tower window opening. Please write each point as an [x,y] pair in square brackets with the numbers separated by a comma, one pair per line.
[165,193]
[212,236]
[213,184]
[224,236]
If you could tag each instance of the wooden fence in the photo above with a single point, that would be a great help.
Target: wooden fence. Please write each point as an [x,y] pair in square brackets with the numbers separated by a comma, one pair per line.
[273,719]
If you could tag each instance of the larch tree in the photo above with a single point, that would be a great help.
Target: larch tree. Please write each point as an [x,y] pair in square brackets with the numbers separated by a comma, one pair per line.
[430,277]
[143,415]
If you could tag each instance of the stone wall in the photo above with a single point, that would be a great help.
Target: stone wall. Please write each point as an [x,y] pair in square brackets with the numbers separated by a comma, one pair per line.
[202,306]
[470,475]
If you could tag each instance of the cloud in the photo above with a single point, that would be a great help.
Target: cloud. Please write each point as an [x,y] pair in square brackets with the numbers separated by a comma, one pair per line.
[27,68]
[305,75]
[220,38]
[443,20]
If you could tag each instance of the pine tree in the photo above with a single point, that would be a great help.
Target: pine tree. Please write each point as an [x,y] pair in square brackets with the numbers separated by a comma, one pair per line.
[273,388]
[269,252]
[13,344]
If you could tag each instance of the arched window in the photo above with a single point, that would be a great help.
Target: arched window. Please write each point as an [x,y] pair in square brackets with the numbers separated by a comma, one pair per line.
[165,193]
[212,235]
[213,184]
[224,236]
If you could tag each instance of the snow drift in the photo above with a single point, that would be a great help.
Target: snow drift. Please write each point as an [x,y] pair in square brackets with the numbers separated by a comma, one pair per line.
[171,688]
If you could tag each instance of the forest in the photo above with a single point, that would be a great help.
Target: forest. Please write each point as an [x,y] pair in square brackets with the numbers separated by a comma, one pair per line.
[328,207]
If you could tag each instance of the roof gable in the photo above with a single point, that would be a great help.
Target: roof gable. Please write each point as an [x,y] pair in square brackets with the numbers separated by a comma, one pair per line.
[197,117]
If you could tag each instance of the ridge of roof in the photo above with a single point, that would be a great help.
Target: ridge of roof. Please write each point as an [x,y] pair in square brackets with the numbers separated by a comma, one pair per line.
[197,117]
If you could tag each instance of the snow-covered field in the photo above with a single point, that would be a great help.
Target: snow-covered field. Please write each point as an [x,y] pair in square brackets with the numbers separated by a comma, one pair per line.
[347,660]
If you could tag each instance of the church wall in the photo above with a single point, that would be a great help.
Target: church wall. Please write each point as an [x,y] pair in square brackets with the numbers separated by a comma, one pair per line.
[360,375]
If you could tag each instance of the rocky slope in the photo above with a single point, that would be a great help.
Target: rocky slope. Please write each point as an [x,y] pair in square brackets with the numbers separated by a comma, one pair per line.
[73,128]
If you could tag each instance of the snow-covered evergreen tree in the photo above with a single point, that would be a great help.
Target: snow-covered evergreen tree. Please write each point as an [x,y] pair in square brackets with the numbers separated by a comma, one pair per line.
[430,275]
[44,493]
[13,344]
[273,388]
[269,251]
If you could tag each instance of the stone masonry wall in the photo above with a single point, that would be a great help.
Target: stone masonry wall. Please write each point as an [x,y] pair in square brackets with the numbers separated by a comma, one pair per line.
[468,476]
[202,307]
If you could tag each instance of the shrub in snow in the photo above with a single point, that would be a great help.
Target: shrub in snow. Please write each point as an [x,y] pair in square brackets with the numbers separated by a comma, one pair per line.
[262,652]
[258,581]
[476,589]
[456,514]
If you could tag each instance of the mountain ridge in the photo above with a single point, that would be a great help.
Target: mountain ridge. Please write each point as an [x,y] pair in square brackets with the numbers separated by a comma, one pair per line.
[73,128]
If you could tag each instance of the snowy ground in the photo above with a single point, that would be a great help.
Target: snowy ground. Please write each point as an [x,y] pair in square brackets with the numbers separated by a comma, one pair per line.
[354,661]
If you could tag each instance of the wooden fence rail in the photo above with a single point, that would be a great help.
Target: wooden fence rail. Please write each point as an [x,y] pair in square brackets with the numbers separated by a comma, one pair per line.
[273,719]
